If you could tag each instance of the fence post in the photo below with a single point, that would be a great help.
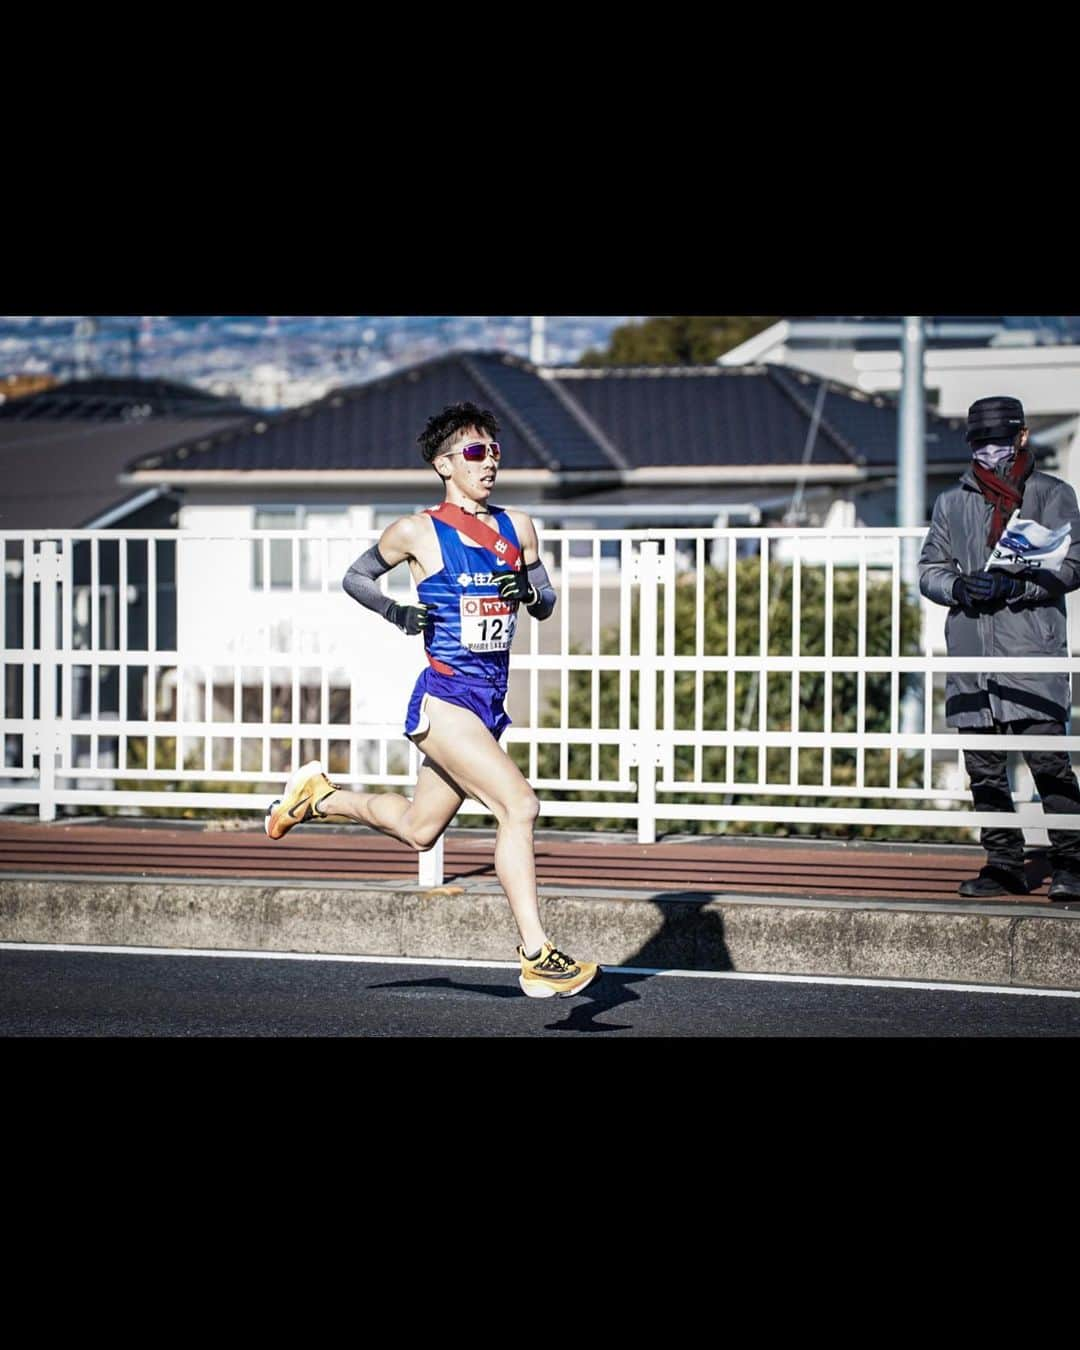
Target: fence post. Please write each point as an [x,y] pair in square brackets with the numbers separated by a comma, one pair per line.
[430,871]
[45,570]
[648,569]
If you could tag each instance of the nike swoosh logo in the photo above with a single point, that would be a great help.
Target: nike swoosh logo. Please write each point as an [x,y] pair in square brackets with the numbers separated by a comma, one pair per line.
[293,809]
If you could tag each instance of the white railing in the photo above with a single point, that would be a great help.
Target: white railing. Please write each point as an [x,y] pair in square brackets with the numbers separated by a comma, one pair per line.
[182,670]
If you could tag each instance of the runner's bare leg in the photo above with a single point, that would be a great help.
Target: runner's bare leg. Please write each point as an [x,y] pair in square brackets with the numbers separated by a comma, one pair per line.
[463,759]
[418,823]
[459,742]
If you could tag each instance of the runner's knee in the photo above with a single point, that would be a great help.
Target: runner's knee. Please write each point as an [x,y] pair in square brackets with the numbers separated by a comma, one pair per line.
[521,809]
[422,836]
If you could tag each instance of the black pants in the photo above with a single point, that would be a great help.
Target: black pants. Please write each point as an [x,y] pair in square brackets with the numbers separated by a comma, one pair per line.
[1054,779]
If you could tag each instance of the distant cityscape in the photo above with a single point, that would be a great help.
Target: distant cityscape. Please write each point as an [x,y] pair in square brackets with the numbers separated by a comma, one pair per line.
[272,361]
[280,361]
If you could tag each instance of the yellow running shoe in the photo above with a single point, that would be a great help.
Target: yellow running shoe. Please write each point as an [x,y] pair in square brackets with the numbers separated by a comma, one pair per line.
[553,973]
[305,789]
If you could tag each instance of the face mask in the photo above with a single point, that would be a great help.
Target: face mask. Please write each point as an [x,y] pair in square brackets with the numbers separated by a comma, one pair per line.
[993,457]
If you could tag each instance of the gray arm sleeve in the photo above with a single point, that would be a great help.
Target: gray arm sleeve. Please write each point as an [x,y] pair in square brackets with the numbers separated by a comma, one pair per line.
[538,577]
[361,582]
[937,567]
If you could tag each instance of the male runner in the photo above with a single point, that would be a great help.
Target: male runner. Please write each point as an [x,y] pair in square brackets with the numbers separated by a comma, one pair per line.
[473,566]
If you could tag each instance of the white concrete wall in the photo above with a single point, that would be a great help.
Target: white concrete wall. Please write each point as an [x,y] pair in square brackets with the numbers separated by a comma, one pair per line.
[1045,379]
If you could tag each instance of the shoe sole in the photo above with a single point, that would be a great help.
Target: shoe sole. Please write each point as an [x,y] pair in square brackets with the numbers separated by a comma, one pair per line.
[313,766]
[533,990]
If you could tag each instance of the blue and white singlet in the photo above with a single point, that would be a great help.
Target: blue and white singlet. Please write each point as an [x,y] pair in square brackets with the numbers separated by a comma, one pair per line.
[473,625]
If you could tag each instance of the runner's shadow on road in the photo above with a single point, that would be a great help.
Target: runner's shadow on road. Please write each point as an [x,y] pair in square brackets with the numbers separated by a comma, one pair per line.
[686,940]
[441,982]
[607,991]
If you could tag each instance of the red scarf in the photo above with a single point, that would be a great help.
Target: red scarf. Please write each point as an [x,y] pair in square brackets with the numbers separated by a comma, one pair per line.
[1003,493]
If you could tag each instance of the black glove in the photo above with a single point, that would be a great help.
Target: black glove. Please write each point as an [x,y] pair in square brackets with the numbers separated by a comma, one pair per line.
[516,586]
[411,619]
[986,588]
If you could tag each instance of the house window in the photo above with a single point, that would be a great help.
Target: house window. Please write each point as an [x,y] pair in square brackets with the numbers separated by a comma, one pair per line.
[276,555]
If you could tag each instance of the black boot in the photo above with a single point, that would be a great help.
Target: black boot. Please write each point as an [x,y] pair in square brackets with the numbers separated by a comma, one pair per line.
[1065,884]
[994,880]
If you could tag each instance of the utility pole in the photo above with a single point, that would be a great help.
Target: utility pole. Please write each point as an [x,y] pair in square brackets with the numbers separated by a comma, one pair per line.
[85,330]
[537,352]
[911,447]
[911,485]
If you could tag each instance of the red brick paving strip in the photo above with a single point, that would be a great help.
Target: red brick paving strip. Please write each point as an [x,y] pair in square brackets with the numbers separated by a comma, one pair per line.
[32,846]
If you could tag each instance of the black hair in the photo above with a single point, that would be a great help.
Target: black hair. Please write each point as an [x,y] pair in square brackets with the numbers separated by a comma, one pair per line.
[444,426]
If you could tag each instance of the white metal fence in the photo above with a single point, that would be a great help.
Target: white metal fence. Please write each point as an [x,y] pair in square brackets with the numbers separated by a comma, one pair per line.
[687,675]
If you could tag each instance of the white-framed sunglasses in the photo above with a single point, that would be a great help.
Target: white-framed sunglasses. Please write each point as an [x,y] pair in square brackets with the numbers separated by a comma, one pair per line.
[477,451]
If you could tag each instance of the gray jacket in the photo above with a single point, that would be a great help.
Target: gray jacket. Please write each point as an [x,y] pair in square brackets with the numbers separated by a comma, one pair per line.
[1034,624]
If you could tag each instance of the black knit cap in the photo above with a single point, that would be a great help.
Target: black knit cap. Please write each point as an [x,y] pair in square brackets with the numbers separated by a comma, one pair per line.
[989,418]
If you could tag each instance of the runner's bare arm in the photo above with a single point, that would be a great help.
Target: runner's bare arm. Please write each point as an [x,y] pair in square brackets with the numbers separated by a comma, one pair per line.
[526,533]
[400,541]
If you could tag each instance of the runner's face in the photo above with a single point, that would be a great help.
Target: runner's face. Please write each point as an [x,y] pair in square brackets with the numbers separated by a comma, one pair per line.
[476,478]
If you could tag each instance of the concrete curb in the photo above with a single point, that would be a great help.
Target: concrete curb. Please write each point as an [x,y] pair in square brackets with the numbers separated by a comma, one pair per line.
[1006,945]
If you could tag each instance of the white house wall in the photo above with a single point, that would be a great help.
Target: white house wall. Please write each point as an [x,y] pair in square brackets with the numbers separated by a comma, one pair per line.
[1045,379]
[221,613]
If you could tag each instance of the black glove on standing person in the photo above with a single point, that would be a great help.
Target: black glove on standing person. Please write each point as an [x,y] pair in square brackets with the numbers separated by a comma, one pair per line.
[986,588]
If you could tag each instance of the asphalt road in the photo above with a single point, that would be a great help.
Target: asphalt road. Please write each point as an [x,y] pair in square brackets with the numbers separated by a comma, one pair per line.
[62,993]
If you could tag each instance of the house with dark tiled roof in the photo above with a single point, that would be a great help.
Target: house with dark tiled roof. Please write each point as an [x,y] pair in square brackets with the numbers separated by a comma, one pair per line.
[758,441]
[62,449]
[619,447]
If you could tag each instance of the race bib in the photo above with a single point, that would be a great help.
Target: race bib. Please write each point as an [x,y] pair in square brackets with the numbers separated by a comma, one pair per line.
[487,623]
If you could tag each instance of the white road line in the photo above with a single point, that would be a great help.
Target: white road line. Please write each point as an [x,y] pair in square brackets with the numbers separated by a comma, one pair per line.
[668,971]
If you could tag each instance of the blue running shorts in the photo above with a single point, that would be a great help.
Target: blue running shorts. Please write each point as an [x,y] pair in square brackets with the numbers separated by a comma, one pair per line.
[479,697]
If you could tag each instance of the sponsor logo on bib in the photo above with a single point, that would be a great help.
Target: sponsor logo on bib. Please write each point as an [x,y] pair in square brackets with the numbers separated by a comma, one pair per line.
[487,623]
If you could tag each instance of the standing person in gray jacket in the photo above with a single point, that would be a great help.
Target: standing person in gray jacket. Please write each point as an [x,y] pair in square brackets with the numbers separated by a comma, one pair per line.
[995,613]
